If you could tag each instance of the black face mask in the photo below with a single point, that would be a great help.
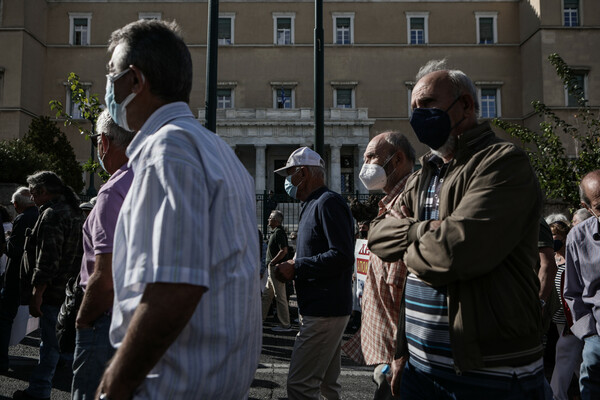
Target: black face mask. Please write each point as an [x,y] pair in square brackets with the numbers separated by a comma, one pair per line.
[558,244]
[432,125]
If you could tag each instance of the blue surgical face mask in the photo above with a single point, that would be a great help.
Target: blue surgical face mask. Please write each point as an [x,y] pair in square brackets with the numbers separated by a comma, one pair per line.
[117,111]
[290,188]
[432,125]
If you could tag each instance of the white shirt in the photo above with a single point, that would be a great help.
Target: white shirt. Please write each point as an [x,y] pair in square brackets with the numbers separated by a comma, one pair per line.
[190,217]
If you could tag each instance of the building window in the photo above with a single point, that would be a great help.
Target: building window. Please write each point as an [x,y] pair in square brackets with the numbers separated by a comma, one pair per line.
[571,12]
[283,97]
[224,98]
[343,28]
[150,15]
[409,88]
[344,98]
[417,26]
[347,174]
[489,102]
[80,28]
[72,107]
[283,32]
[226,25]
[487,31]
[579,91]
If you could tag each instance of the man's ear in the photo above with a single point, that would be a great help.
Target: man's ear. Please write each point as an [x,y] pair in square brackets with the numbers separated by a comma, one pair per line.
[104,140]
[468,104]
[139,80]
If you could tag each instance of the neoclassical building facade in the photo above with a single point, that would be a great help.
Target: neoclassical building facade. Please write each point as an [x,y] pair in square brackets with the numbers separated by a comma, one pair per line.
[373,49]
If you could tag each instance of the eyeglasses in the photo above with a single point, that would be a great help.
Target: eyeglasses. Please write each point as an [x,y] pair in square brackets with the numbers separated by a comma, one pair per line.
[114,77]
[94,139]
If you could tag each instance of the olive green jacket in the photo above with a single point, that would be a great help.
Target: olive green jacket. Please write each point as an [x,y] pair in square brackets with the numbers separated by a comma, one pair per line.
[484,252]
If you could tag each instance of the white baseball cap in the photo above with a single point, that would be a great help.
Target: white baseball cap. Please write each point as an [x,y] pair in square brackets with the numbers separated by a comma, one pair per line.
[301,157]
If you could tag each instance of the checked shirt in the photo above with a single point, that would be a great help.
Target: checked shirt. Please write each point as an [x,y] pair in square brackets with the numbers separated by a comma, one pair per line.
[375,343]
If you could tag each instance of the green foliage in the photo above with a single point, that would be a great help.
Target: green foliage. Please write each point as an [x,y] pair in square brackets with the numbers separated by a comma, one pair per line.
[558,173]
[19,159]
[90,108]
[47,140]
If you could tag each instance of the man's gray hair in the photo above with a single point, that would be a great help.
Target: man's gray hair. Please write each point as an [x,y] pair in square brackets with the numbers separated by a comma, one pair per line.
[557,217]
[582,214]
[315,170]
[400,142]
[118,135]
[22,197]
[278,215]
[461,83]
[158,50]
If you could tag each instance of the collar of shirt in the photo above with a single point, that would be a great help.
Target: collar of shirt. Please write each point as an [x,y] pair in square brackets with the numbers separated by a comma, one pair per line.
[159,118]
[388,200]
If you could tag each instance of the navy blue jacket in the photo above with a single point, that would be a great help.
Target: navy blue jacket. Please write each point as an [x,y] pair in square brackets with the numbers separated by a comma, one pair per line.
[324,256]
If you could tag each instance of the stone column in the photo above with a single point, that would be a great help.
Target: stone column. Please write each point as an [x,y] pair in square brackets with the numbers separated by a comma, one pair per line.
[335,168]
[361,152]
[260,180]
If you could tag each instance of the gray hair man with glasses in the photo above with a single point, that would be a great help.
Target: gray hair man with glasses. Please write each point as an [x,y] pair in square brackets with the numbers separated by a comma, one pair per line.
[187,315]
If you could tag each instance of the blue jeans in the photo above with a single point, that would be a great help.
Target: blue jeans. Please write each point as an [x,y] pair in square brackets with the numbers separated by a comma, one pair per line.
[92,353]
[417,385]
[40,382]
[589,379]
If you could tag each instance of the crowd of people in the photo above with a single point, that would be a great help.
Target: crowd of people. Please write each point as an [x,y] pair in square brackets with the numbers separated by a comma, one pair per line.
[463,276]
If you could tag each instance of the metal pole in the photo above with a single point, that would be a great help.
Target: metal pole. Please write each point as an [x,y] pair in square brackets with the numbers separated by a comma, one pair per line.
[319,81]
[211,65]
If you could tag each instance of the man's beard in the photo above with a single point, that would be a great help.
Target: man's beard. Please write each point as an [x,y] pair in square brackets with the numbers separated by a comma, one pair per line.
[447,148]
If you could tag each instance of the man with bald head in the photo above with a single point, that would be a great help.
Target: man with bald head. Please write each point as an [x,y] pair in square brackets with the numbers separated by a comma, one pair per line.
[582,285]
[388,160]
[466,226]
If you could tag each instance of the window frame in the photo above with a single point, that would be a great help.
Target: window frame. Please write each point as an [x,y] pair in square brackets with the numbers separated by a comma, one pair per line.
[487,14]
[231,17]
[276,86]
[578,11]
[585,74]
[231,98]
[149,15]
[425,16]
[292,17]
[497,99]
[352,97]
[72,17]
[349,15]
[69,103]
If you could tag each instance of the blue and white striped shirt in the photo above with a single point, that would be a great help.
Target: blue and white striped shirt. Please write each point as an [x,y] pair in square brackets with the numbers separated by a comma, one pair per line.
[190,218]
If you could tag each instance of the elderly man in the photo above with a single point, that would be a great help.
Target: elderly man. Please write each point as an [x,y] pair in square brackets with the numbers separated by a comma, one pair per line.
[580,215]
[52,255]
[10,294]
[92,345]
[473,317]
[582,285]
[388,160]
[186,317]
[277,250]
[322,271]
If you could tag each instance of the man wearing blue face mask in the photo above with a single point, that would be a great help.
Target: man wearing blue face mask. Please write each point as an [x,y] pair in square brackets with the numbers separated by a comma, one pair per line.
[322,271]
[467,229]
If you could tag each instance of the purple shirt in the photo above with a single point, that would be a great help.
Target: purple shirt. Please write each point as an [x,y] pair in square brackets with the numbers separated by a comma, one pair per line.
[582,278]
[99,227]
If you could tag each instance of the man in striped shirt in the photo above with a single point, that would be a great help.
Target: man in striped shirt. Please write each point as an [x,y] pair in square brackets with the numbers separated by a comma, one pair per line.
[473,317]
[186,316]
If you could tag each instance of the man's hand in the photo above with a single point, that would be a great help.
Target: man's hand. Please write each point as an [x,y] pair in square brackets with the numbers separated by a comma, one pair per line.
[35,303]
[397,368]
[284,272]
